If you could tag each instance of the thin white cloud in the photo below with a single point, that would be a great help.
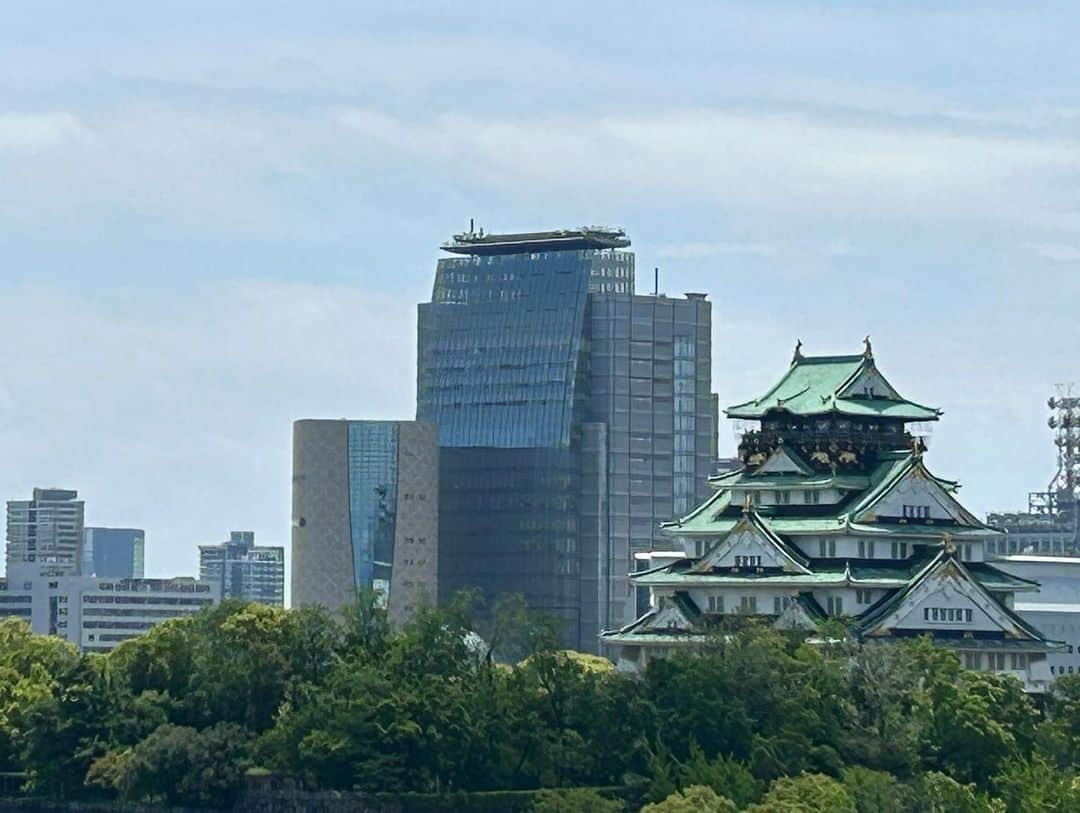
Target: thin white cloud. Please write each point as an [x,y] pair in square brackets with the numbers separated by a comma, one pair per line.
[1058,252]
[694,251]
[167,411]
[221,171]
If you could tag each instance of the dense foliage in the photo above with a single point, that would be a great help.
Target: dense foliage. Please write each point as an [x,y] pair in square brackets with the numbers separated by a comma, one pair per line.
[461,700]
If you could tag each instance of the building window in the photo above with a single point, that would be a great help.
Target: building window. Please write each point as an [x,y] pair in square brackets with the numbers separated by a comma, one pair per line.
[835,605]
[972,660]
[1019,660]
[947,615]
[783,497]
[716,604]
[747,561]
[826,547]
[899,550]
[864,597]
[699,548]
[811,497]
[748,604]
[916,512]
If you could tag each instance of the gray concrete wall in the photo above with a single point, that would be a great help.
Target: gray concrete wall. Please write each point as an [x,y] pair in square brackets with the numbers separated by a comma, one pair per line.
[322,561]
[415,575]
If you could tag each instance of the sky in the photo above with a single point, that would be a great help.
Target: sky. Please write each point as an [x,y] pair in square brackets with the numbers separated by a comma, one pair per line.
[218,217]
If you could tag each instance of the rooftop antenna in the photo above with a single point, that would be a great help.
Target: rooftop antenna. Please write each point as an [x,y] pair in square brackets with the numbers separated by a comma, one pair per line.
[656,281]
[471,225]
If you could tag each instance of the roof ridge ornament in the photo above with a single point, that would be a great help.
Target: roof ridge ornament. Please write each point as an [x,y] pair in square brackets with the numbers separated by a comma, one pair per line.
[798,356]
[746,503]
[868,351]
[947,544]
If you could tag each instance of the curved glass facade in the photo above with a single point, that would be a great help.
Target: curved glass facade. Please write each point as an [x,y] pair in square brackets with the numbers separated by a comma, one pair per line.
[552,388]
[373,457]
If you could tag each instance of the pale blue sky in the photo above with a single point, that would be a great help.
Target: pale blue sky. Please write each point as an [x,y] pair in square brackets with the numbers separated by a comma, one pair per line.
[218,217]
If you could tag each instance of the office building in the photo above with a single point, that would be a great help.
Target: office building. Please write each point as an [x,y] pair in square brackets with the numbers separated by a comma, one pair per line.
[45,533]
[114,553]
[243,570]
[573,416]
[365,513]
[99,614]
[834,516]
[1055,609]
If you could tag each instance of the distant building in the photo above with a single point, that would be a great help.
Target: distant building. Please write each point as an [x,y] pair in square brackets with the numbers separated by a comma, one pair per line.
[114,553]
[1055,609]
[365,513]
[98,614]
[243,570]
[46,532]
[574,417]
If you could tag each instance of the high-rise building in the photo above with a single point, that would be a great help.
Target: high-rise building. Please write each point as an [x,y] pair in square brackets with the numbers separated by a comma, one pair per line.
[365,513]
[114,553]
[243,570]
[834,520]
[573,416]
[45,533]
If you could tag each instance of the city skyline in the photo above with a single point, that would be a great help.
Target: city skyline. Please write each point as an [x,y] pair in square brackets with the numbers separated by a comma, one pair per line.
[188,223]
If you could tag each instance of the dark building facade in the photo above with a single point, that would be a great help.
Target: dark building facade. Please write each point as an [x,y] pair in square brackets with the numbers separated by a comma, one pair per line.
[365,513]
[114,553]
[573,417]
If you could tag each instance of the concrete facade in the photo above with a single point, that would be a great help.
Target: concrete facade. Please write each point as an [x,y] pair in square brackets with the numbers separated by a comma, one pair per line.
[365,513]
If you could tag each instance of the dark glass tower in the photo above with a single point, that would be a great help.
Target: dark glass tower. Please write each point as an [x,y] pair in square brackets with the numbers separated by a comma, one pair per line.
[556,428]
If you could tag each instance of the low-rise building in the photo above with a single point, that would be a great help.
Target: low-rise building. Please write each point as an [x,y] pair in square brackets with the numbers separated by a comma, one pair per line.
[98,614]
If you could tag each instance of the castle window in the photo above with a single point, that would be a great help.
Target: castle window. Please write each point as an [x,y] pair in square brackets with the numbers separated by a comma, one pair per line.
[747,561]
[864,596]
[748,604]
[827,547]
[835,605]
[783,497]
[811,497]
[716,604]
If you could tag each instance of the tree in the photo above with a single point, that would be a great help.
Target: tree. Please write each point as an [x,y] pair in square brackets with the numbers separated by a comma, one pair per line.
[943,794]
[808,793]
[575,800]
[1037,785]
[878,791]
[1059,735]
[695,799]
[182,766]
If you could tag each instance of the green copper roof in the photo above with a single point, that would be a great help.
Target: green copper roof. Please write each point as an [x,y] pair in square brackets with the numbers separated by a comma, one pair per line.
[813,385]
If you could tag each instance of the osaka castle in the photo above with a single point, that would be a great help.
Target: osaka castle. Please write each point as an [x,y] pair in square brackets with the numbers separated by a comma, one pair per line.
[833,513]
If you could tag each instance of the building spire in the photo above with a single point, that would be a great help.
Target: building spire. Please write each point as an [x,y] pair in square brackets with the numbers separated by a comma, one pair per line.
[797,357]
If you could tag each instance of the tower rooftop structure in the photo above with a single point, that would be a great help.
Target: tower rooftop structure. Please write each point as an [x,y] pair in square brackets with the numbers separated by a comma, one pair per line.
[586,237]
[835,515]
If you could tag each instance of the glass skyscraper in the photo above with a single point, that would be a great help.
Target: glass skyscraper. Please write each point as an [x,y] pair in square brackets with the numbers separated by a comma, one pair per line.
[114,553]
[573,417]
